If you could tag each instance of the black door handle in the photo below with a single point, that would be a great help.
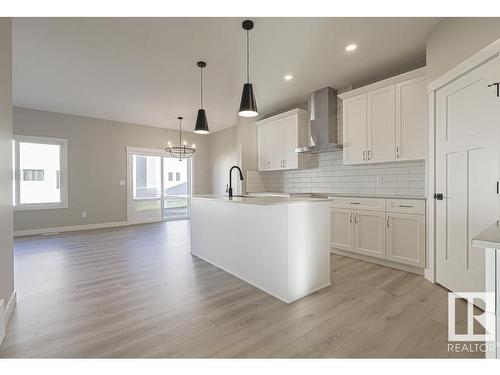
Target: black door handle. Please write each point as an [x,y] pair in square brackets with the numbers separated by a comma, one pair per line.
[497,85]
[438,196]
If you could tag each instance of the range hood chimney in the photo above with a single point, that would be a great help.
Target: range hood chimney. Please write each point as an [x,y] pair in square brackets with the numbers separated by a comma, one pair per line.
[322,107]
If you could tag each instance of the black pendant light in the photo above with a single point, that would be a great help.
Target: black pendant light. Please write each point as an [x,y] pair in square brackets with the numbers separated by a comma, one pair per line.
[201,120]
[248,105]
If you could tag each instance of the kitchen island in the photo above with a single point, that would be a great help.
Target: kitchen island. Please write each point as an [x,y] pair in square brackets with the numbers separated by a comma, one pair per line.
[280,245]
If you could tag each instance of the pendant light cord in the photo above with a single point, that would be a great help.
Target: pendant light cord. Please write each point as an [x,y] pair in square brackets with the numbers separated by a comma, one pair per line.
[248,58]
[180,133]
[201,86]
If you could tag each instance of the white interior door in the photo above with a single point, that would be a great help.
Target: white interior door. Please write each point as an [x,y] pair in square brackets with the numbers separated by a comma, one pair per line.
[467,171]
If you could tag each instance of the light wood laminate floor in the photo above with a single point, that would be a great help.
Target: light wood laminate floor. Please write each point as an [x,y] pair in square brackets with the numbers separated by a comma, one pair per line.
[138,292]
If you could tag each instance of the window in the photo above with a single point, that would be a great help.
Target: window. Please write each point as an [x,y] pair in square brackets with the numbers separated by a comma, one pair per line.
[177,176]
[33,174]
[40,173]
[170,176]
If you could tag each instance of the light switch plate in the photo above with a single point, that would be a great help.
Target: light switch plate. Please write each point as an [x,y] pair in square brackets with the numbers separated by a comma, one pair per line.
[84,213]
[122,182]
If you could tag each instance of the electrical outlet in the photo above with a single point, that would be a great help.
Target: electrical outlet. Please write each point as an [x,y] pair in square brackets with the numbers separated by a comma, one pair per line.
[84,213]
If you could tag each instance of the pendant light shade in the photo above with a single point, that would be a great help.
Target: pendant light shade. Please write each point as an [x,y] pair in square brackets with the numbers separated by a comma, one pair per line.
[201,126]
[201,123]
[248,104]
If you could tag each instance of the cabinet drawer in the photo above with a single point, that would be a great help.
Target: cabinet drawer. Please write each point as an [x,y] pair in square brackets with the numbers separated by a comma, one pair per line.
[409,206]
[370,204]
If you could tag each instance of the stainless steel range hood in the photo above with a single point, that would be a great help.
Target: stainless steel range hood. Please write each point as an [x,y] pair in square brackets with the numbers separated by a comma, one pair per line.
[322,108]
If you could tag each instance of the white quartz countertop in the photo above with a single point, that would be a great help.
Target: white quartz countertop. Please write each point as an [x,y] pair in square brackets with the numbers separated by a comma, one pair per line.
[488,238]
[259,200]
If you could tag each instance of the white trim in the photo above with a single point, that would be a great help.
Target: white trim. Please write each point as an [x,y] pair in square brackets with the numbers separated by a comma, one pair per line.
[71,228]
[64,173]
[430,270]
[280,116]
[9,309]
[381,262]
[384,83]
[466,66]
[5,314]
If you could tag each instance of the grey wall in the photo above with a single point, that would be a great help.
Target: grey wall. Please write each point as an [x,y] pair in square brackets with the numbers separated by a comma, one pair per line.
[96,164]
[455,39]
[222,155]
[6,255]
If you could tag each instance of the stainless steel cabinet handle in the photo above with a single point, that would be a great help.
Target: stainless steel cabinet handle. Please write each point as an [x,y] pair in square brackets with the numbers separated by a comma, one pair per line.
[364,155]
[350,217]
[369,154]
[388,222]
[356,217]
[405,205]
[354,203]
[397,152]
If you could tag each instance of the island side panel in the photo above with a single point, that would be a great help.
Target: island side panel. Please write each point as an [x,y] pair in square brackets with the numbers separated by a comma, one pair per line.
[308,248]
[248,241]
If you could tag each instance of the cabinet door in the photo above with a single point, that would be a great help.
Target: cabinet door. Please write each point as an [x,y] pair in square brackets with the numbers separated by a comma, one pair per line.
[262,145]
[381,124]
[406,239]
[341,234]
[411,119]
[276,144]
[291,142]
[369,233]
[354,129]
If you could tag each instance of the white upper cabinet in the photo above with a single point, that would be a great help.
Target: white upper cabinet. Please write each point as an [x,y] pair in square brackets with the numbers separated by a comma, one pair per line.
[411,119]
[354,114]
[381,124]
[387,120]
[278,137]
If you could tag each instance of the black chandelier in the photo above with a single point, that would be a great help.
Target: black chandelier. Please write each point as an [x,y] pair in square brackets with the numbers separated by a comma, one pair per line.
[182,151]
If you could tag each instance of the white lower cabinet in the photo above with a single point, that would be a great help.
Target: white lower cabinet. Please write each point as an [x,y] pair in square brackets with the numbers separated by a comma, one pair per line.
[397,236]
[369,233]
[405,236]
[342,229]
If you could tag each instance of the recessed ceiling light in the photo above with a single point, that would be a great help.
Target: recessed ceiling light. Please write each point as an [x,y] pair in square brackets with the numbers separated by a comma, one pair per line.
[288,77]
[351,47]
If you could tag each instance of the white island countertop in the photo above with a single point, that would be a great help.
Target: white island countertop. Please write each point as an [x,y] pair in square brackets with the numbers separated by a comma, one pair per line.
[488,238]
[259,200]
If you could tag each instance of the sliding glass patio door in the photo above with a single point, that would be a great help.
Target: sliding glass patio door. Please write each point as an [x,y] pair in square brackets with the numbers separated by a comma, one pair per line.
[158,186]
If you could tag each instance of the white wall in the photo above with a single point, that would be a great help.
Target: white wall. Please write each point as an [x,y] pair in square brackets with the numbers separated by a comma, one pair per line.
[453,40]
[222,155]
[6,255]
[96,164]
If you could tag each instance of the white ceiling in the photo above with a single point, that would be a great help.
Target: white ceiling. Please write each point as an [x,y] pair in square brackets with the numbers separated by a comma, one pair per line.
[143,70]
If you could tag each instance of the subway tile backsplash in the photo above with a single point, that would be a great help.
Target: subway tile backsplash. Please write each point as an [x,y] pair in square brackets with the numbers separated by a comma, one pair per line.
[329,175]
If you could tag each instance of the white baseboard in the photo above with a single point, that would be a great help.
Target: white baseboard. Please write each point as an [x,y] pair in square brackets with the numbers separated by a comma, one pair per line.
[382,262]
[6,313]
[72,228]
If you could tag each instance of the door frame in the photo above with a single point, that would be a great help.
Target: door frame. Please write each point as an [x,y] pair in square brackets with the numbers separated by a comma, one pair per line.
[161,153]
[479,58]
